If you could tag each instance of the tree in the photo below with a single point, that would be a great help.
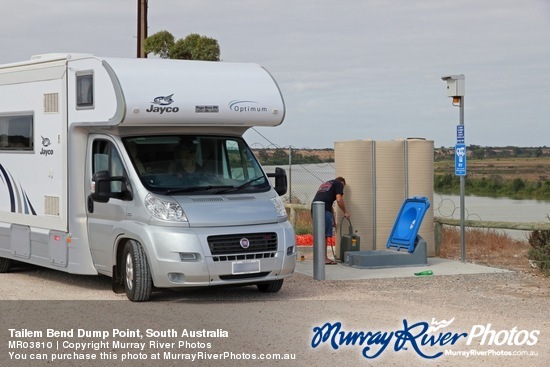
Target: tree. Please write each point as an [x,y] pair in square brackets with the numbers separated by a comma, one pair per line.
[478,153]
[192,47]
[517,184]
[160,44]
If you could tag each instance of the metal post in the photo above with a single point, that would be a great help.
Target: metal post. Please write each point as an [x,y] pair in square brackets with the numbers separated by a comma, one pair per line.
[290,175]
[319,241]
[456,90]
[462,201]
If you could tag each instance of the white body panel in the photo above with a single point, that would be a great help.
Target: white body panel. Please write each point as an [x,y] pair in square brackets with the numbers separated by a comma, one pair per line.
[38,177]
[142,92]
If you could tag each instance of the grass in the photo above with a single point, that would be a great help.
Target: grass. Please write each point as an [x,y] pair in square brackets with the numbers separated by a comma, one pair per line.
[304,222]
[487,247]
[516,178]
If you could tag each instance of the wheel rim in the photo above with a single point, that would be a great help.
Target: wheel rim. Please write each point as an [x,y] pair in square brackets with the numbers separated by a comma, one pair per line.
[129,271]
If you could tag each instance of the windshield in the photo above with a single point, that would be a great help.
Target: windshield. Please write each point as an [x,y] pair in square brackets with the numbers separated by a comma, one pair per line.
[193,164]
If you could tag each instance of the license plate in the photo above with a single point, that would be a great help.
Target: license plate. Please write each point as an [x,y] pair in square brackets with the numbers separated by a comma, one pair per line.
[246,266]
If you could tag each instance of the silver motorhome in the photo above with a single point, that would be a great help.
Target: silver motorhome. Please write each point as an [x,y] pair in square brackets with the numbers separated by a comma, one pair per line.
[96,176]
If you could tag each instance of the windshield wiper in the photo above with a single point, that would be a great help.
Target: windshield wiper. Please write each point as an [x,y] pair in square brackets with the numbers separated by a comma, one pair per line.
[237,188]
[196,188]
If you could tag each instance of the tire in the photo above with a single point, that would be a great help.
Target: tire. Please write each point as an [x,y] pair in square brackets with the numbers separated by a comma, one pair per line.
[5,265]
[136,273]
[270,287]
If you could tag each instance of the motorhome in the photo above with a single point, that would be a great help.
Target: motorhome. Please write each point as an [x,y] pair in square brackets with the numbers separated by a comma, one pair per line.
[137,169]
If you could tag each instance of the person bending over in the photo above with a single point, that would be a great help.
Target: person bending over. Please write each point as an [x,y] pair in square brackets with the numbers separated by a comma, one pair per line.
[329,192]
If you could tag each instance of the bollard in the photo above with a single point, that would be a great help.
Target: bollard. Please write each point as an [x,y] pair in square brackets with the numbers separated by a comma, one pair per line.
[319,241]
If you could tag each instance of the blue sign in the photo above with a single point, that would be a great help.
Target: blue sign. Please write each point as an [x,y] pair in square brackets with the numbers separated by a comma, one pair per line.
[460,159]
[460,134]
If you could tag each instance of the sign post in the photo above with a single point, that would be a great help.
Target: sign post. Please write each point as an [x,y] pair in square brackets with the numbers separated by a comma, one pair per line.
[455,89]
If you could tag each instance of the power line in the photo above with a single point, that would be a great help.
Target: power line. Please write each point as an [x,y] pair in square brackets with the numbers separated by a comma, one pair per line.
[270,142]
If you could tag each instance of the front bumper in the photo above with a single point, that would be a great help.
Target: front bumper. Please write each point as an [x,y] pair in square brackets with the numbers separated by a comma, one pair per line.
[181,257]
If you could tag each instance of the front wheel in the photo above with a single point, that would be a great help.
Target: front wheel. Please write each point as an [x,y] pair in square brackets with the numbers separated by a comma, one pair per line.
[137,275]
[5,264]
[270,287]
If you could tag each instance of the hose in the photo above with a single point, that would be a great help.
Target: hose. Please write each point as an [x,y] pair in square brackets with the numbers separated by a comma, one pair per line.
[350,232]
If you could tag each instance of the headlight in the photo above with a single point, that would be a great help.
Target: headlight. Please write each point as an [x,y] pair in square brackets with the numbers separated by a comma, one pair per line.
[279,207]
[164,209]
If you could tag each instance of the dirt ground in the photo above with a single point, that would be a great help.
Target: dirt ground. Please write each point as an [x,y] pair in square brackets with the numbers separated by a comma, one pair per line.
[528,169]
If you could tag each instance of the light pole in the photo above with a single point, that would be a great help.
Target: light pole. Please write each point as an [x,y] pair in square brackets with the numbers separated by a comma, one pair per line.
[455,90]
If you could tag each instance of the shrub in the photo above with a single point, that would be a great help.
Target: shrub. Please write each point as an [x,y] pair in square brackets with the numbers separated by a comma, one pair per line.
[540,251]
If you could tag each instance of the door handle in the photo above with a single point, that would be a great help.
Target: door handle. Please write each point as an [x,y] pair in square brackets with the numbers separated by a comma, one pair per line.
[90,204]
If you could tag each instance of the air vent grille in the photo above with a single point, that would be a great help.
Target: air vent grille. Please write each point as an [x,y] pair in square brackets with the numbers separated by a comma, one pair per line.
[240,197]
[209,199]
[51,205]
[51,103]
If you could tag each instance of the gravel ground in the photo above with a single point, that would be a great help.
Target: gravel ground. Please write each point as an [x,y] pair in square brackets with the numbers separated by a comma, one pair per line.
[285,322]
[504,301]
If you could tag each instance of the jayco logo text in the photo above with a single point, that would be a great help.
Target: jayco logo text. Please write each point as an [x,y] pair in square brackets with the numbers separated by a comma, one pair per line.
[161,105]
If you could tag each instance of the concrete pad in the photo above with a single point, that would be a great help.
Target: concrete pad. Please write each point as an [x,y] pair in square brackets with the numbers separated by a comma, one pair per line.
[437,265]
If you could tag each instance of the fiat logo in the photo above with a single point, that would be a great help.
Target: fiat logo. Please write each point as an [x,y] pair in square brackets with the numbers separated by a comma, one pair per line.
[245,243]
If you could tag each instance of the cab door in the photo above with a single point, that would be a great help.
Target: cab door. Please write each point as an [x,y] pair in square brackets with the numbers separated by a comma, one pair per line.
[105,219]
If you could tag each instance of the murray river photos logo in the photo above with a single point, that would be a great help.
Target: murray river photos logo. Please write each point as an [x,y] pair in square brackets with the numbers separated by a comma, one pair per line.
[427,340]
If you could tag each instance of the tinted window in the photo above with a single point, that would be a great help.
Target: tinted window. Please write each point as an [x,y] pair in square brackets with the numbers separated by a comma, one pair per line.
[16,132]
[85,90]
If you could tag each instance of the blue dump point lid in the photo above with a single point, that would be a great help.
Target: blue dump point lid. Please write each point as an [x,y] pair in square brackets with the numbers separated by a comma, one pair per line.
[407,224]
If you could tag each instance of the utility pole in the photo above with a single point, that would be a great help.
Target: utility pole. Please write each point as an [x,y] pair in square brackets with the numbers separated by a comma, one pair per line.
[141,27]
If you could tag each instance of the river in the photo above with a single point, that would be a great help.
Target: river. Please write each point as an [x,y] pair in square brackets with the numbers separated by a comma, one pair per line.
[306,178]
[493,209]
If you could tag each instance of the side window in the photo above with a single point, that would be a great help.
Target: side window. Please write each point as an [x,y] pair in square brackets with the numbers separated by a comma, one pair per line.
[85,90]
[239,161]
[234,168]
[16,132]
[105,157]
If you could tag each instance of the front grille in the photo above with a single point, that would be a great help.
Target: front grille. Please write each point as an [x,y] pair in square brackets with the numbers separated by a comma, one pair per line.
[244,276]
[261,255]
[230,244]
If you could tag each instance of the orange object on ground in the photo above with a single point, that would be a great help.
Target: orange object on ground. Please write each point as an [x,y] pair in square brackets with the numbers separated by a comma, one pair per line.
[307,240]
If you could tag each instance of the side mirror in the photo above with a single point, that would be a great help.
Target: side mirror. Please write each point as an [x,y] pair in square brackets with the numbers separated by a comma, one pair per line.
[281,182]
[101,187]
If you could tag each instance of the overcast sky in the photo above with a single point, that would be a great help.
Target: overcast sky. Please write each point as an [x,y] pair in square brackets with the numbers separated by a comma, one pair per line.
[362,69]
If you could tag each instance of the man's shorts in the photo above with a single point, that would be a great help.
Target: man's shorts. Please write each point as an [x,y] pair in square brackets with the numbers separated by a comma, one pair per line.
[329,223]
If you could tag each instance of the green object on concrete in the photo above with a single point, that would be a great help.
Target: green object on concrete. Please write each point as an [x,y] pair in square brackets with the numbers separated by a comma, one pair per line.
[424,273]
